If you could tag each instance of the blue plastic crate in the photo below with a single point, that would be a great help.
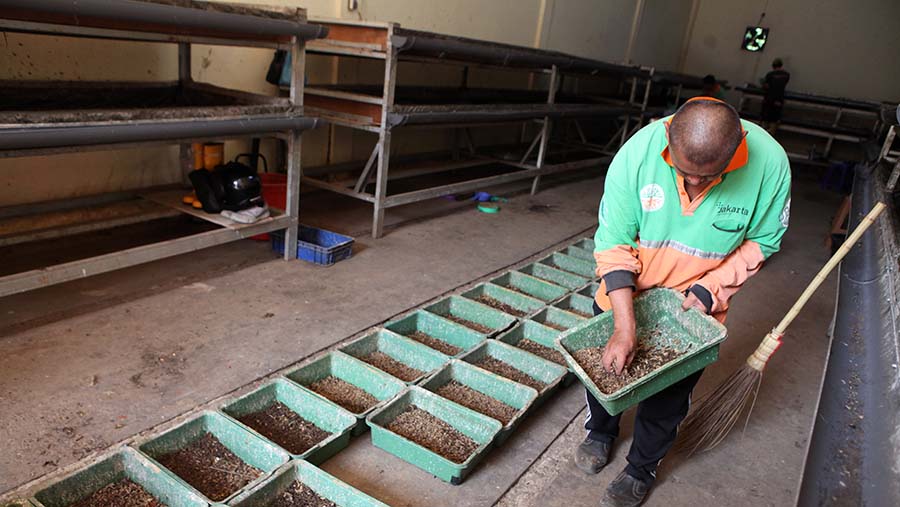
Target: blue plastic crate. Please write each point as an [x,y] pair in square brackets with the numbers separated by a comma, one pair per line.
[317,245]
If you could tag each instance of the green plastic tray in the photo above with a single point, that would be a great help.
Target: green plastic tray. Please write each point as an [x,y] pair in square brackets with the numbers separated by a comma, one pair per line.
[460,307]
[578,252]
[513,394]
[531,286]
[655,309]
[589,290]
[250,448]
[585,243]
[554,315]
[353,371]
[124,464]
[479,428]
[557,276]
[437,327]
[324,484]
[586,269]
[577,303]
[17,503]
[525,304]
[535,367]
[532,330]
[538,333]
[327,416]
[400,348]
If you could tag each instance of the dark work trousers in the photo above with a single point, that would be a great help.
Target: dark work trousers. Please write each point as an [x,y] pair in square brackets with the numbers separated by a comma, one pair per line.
[655,425]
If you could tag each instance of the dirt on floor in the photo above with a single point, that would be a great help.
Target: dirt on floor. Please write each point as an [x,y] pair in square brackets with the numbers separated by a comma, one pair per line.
[344,394]
[479,402]
[499,305]
[647,359]
[285,427]
[210,467]
[124,493]
[469,324]
[541,351]
[300,495]
[434,434]
[435,343]
[508,371]
[393,367]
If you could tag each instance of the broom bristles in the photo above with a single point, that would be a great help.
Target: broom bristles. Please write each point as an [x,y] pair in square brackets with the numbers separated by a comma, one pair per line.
[716,413]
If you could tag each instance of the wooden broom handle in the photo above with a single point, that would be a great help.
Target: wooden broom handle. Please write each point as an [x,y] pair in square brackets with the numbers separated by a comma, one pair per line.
[829,266]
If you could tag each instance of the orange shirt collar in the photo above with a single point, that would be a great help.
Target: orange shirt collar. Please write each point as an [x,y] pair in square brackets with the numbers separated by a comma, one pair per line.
[740,158]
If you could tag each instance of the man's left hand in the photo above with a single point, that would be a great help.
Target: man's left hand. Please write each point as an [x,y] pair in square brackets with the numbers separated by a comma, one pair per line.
[692,301]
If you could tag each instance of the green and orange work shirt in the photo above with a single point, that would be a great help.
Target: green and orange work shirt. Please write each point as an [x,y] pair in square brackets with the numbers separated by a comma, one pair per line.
[651,234]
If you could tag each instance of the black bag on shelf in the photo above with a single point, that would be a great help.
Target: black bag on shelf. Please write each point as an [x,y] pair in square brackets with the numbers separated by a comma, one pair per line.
[233,186]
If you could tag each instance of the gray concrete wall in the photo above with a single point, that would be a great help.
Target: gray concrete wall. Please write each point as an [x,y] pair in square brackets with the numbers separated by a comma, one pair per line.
[831,47]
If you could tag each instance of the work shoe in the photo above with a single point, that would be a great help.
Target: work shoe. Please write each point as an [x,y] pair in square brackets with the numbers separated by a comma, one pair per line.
[591,456]
[625,491]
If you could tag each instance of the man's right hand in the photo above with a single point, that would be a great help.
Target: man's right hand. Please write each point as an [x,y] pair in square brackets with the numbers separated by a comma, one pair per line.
[619,351]
[622,344]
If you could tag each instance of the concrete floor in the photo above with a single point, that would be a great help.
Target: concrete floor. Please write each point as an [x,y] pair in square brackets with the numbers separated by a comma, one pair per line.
[98,361]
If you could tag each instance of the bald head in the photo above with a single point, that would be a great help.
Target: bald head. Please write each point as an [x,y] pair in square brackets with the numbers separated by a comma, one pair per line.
[705,133]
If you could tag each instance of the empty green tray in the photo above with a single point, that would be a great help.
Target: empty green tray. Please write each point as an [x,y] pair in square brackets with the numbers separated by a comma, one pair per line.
[399,348]
[327,416]
[511,393]
[437,327]
[462,308]
[547,372]
[249,447]
[581,267]
[353,371]
[530,286]
[124,464]
[551,274]
[526,305]
[324,484]
[476,426]
[656,309]
[577,304]
[17,503]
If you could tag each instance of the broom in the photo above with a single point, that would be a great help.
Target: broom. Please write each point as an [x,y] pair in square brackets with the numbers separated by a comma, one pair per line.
[717,412]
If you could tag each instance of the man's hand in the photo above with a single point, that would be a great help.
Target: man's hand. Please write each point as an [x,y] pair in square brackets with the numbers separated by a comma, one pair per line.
[692,301]
[619,351]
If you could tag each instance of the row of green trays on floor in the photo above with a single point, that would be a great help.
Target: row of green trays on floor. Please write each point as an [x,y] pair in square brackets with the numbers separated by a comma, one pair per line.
[485,431]
[141,467]
[437,368]
[126,463]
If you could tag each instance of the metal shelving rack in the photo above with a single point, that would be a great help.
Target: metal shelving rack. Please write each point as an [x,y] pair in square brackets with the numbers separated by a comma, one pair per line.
[383,110]
[238,114]
[829,118]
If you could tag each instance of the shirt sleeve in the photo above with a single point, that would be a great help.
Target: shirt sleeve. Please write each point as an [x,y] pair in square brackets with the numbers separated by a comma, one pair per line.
[615,241]
[764,233]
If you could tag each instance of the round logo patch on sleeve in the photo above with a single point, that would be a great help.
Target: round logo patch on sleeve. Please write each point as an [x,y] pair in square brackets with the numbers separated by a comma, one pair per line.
[652,197]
